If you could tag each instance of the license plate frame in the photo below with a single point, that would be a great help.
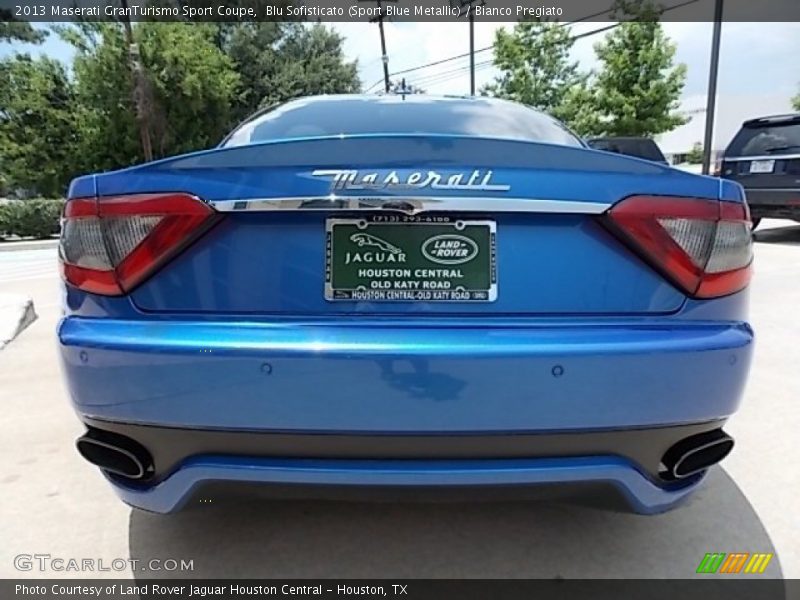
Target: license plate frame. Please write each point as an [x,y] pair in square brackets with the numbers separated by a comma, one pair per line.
[472,262]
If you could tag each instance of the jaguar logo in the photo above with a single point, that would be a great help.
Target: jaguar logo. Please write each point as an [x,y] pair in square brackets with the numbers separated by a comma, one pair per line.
[353,179]
[365,239]
[450,249]
[383,252]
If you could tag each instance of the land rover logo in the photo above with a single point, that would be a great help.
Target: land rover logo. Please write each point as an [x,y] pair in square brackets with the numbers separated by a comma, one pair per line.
[450,249]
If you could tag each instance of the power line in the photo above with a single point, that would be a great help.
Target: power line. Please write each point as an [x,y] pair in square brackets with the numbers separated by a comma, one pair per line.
[457,72]
[484,49]
[575,37]
[453,73]
[438,78]
[432,64]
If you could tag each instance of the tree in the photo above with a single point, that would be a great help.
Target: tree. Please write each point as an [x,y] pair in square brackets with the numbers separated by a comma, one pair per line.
[108,135]
[638,88]
[38,128]
[192,84]
[18,31]
[253,47]
[277,61]
[579,110]
[695,155]
[537,71]
[796,102]
[203,78]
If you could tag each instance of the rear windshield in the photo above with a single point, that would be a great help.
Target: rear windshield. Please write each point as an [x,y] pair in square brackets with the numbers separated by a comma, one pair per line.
[393,115]
[640,148]
[758,140]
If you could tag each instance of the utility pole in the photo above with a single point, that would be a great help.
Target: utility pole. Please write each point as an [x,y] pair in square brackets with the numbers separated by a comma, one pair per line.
[384,56]
[460,5]
[141,95]
[471,53]
[711,100]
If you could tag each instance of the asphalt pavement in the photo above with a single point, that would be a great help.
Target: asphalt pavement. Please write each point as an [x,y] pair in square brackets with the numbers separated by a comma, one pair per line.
[53,503]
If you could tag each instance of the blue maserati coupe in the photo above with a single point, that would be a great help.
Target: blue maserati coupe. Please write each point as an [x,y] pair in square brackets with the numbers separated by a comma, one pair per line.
[403,292]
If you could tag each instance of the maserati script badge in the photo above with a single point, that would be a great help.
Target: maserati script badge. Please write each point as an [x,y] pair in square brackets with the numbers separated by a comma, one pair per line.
[353,179]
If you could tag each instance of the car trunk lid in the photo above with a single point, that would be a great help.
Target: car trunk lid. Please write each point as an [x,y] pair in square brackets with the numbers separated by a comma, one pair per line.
[282,201]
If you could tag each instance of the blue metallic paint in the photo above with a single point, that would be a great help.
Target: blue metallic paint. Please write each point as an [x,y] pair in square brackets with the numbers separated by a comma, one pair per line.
[406,375]
[269,263]
[642,494]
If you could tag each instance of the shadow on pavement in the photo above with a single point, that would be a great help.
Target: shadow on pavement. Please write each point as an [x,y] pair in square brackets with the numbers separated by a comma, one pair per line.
[779,235]
[315,539]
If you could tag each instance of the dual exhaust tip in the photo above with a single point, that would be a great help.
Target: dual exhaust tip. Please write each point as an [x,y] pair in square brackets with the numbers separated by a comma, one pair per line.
[695,454]
[116,454]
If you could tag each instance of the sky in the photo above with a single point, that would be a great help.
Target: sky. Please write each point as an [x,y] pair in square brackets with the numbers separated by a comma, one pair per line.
[758,74]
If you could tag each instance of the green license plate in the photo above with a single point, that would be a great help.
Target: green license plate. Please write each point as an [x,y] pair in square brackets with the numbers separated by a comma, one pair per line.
[398,259]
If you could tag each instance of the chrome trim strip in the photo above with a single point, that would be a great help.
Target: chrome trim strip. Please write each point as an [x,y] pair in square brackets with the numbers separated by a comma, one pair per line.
[411,205]
[764,157]
[786,190]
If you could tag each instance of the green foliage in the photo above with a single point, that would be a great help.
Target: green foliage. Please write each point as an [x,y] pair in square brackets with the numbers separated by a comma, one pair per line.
[635,93]
[18,31]
[38,130]
[579,110]
[695,155]
[5,220]
[191,84]
[638,87]
[103,86]
[278,61]
[796,102]
[253,48]
[200,79]
[536,70]
[37,218]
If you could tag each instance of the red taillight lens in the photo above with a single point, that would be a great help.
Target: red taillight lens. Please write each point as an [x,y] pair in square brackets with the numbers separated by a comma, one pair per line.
[703,246]
[110,245]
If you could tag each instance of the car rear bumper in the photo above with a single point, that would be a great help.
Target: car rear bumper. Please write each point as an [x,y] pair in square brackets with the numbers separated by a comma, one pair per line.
[641,494]
[406,376]
[405,403]
[778,203]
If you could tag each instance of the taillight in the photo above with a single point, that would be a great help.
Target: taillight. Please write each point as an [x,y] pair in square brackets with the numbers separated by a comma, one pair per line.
[704,247]
[109,245]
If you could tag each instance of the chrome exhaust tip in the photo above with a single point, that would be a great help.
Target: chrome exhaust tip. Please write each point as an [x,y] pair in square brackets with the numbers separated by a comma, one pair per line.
[696,454]
[116,454]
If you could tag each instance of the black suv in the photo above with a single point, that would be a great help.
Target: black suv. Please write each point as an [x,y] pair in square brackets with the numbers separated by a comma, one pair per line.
[765,158]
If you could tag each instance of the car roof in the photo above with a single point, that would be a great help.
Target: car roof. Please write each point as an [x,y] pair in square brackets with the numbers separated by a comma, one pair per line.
[784,118]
